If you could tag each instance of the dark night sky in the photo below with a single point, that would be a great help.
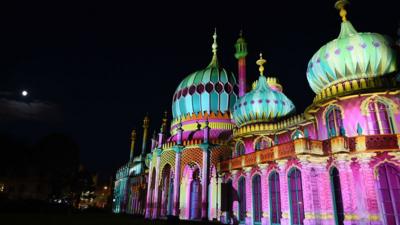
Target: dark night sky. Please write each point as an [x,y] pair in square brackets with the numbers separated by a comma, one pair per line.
[94,70]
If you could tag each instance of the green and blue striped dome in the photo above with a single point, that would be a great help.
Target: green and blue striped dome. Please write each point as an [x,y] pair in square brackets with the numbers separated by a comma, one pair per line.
[212,89]
[264,103]
[351,56]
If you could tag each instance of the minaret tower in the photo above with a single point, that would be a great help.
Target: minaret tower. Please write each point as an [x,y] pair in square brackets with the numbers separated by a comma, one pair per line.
[146,122]
[133,139]
[240,55]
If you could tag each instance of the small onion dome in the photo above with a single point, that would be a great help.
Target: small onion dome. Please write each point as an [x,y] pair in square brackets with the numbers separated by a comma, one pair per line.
[211,90]
[264,103]
[351,56]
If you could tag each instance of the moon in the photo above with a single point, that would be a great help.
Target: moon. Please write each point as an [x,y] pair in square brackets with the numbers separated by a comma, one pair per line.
[24,93]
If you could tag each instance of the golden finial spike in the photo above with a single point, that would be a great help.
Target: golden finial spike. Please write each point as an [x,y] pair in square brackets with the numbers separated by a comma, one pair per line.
[342,11]
[214,45]
[261,63]
[133,134]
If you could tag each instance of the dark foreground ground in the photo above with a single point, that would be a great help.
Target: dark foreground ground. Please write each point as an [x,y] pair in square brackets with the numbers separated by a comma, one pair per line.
[82,219]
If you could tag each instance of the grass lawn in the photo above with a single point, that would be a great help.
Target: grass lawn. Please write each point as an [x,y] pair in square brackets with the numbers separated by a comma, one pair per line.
[81,219]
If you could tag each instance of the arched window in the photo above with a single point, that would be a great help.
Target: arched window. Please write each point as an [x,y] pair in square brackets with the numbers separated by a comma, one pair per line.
[256,183]
[296,197]
[297,134]
[334,123]
[240,148]
[379,119]
[336,196]
[262,143]
[389,187]
[275,198]
[242,198]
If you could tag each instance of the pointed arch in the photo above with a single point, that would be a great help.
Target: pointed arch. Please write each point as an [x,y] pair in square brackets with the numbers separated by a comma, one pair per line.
[240,148]
[262,142]
[379,112]
[297,134]
[392,105]
[337,200]
[333,118]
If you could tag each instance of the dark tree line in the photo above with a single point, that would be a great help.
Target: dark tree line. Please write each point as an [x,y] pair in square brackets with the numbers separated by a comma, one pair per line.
[53,161]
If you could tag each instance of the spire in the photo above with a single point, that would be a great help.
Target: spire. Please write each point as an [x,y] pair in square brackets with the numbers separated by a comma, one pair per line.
[241,47]
[240,55]
[261,63]
[214,46]
[342,11]
[133,139]
[146,122]
[164,122]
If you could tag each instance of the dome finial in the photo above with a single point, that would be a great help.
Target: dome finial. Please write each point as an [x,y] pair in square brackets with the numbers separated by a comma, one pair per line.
[215,45]
[342,11]
[261,63]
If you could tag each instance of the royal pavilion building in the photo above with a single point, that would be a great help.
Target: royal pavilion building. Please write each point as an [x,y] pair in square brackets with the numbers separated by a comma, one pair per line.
[242,155]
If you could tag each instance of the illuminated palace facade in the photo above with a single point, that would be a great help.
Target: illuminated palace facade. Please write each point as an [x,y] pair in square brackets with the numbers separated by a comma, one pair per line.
[245,157]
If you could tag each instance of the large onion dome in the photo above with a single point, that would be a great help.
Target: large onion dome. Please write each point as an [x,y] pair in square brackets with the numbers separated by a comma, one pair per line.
[265,103]
[352,55]
[210,90]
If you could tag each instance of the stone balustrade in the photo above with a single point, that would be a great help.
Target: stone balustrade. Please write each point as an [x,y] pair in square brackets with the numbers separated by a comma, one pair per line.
[303,146]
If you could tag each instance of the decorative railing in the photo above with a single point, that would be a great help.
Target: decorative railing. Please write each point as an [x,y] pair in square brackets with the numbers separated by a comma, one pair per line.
[286,150]
[326,146]
[335,145]
[351,143]
[381,142]
[236,162]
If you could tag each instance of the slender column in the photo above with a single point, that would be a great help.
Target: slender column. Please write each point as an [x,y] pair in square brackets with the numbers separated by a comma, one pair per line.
[156,186]
[133,139]
[146,122]
[309,197]
[163,207]
[325,193]
[177,179]
[240,55]
[205,182]
[188,191]
[148,197]
[135,210]
[369,195]
[346,185]
[264,194]
[283,184]
[249,197]
[218,211]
